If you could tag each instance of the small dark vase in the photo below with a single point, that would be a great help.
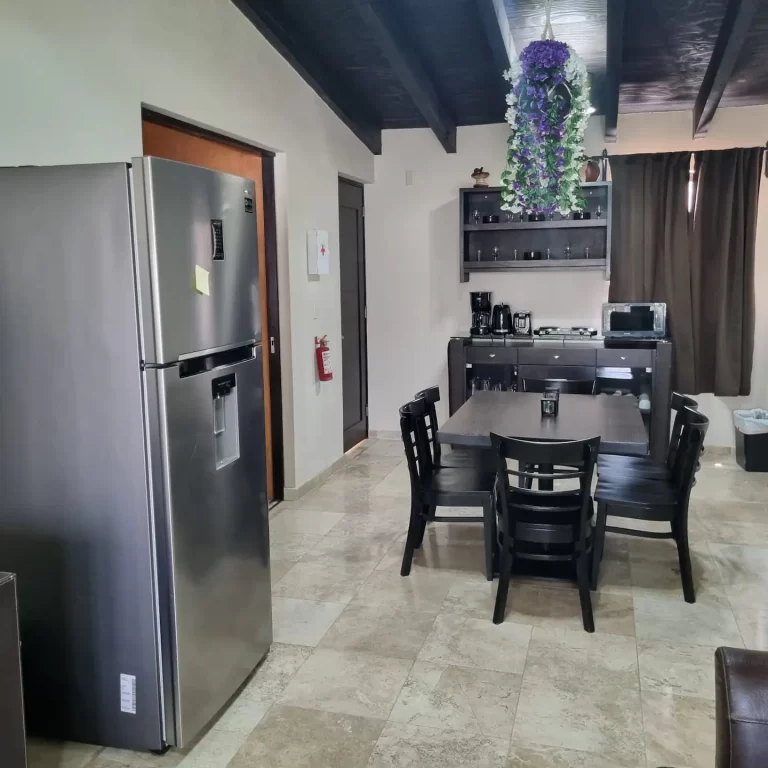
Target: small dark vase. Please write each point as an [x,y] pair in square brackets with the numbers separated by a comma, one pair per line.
[591,171]
[536,217]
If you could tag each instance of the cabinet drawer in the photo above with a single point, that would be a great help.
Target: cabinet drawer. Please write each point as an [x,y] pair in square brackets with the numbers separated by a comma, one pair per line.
[566,372]
[557,356]
[497,355]
[625,358]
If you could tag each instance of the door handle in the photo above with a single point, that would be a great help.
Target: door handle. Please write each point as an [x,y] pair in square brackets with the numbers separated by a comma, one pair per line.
[492,356]
[623,358]
[272,344]
[557,357]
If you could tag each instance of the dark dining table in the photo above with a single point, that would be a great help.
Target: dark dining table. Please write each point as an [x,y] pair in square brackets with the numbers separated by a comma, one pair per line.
[617,420]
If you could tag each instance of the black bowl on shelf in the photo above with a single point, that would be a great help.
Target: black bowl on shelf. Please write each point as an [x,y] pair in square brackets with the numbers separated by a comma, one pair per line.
[581,215]
[491,218]
[531,255]
[536,217]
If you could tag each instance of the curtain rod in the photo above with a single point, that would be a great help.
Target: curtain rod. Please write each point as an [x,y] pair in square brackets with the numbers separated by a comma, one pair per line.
[605,156]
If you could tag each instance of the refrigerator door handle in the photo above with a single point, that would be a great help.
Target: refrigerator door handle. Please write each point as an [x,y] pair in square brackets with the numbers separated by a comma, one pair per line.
[216,350]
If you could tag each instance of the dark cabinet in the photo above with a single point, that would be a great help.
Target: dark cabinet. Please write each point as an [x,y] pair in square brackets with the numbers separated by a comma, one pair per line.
[630,371]
[493,240]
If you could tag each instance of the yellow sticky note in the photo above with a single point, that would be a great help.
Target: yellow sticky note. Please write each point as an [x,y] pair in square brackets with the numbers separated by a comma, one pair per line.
[201,281]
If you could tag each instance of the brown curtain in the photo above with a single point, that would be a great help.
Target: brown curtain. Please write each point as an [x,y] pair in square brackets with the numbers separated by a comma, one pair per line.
[723,266]
[651,245]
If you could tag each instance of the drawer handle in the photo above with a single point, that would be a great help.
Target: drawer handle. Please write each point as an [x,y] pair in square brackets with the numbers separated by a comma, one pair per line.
[623,358]
[557,357]
[492,355]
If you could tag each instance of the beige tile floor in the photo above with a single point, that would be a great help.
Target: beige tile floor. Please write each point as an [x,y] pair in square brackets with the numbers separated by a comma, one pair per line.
[370,669]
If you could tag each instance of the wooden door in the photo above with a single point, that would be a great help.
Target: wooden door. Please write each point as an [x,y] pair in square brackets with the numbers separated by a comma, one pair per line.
[174,143]
[354,339]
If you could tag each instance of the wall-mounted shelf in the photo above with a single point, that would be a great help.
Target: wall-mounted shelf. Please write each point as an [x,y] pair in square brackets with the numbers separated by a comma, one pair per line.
[505,266]
[583,244]
[532,225]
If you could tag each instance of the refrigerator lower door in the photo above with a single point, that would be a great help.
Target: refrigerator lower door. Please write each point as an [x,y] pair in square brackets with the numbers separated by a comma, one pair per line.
[212,430]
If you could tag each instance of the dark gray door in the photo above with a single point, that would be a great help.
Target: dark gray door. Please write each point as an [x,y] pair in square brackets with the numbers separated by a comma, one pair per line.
[354,341]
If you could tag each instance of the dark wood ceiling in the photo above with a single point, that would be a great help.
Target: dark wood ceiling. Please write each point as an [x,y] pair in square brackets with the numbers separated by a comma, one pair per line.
[437,63]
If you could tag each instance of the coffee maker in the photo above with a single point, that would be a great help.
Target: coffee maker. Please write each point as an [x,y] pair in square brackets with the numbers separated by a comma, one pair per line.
[481,313]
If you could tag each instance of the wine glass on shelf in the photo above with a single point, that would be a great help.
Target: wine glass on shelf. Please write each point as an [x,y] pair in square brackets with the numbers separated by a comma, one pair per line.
[476,216]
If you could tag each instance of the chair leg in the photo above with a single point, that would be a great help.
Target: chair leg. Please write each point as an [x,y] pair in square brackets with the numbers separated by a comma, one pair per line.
[686,571]
[505,574]
[415,534]
[426,513]
[489,536]
[585,596]
[598,543]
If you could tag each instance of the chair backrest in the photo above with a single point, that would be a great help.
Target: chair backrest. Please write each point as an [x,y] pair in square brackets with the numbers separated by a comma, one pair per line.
[694,430]
[566,386]
[530,514]
[678,403]
[431,396]
[413,429]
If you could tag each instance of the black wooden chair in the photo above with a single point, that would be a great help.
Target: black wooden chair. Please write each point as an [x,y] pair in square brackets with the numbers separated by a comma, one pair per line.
[566,386]
[480,458]
[549,526]
[644,466]
[433,486]
[659,500]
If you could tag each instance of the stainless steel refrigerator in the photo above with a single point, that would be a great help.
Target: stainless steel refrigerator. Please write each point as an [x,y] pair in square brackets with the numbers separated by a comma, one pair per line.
[133,506]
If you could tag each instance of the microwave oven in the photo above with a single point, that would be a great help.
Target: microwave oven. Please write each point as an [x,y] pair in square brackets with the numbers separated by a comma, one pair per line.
[638,320]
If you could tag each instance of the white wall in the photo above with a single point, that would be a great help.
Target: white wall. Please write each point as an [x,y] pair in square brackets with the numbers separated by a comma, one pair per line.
[415,301]
[73,78]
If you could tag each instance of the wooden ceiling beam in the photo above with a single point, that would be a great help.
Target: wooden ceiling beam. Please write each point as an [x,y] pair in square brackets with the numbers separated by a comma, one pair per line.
[733,33]
[614,56]
[300,54]
[402,56]
[493,16]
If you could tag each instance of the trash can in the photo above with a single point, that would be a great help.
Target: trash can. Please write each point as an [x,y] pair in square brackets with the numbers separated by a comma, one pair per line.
[752,439]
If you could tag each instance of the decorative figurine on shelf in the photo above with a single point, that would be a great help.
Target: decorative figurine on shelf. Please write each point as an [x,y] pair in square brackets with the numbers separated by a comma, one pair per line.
[481,177]
[495,252]
[476,216]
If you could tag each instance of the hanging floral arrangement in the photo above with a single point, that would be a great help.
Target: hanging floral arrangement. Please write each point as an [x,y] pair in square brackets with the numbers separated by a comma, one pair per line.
[548,112]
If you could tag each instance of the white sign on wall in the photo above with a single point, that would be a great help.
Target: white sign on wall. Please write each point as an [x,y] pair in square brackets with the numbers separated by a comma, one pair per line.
[318,255]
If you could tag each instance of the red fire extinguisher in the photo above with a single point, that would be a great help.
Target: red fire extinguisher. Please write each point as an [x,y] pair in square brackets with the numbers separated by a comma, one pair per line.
[323,356]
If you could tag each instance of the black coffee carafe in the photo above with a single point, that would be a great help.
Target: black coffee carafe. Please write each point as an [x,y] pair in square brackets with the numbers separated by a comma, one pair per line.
[481,313]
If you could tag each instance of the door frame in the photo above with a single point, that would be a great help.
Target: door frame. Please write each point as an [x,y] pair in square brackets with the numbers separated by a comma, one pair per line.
[362,311]
[271,336]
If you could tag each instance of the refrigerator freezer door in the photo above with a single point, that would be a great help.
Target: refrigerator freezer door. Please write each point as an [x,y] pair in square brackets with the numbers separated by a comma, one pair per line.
[216,513]
[198,264]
